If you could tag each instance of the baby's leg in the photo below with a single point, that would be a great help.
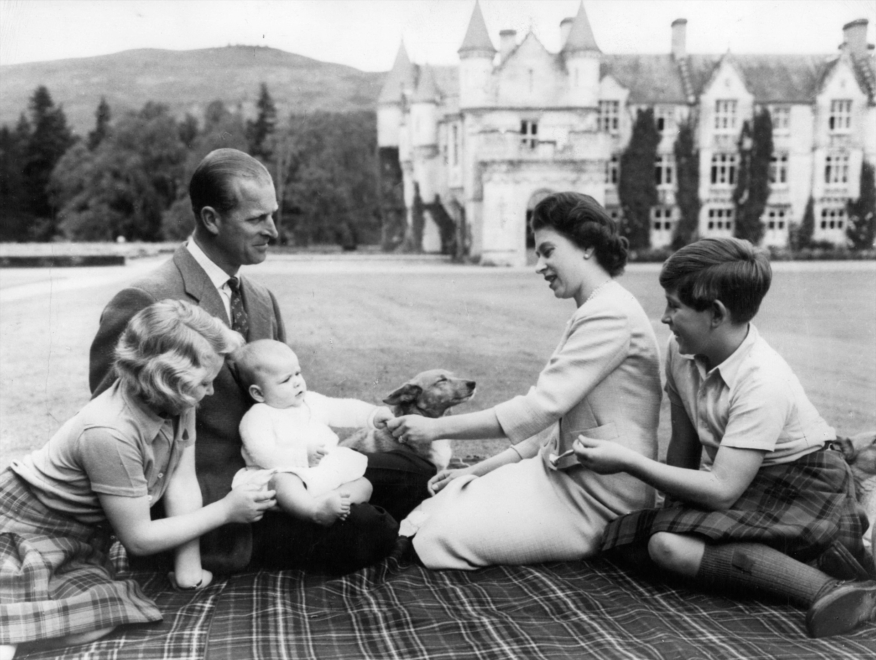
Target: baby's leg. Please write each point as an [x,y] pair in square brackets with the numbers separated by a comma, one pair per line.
[293,498]
[7,651]
[359,490]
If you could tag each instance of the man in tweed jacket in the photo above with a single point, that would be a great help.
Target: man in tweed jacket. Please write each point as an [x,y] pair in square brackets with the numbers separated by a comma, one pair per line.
[233,199]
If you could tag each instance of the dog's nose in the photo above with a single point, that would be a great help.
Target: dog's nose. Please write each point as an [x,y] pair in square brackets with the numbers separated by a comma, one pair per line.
[470,384]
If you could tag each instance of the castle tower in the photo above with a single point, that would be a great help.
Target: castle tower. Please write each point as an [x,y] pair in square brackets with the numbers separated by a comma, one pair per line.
[390,104]
[476,63]
[582,62]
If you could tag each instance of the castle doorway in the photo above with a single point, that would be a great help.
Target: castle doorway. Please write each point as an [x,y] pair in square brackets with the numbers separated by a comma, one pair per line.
[534,199]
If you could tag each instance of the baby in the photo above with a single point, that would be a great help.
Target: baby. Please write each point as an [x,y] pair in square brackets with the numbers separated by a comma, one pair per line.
[286,436]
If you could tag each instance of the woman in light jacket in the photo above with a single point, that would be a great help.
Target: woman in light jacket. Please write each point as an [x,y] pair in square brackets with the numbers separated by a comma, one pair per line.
[602,381]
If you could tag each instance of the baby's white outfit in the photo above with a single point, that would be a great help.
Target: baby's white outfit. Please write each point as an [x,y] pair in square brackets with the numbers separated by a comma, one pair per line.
[277,439]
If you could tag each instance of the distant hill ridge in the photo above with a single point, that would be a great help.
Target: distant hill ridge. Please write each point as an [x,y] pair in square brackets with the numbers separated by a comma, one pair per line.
[187,81]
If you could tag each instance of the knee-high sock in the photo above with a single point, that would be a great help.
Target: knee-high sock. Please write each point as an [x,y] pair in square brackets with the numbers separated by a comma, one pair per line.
[753,568]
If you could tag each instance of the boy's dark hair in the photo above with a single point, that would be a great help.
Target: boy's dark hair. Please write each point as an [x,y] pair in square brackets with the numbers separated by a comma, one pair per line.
[727,269]
[583,221]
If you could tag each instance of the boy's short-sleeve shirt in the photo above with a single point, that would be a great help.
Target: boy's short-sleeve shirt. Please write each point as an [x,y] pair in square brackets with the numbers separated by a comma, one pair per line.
[752,400]
[114,446]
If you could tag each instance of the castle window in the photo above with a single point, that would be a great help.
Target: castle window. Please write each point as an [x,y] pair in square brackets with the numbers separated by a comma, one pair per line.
[612,170]
[528,133]
[661,218]
[454,145]
[836,168]
[721,218]
[840,119]
[664,170]
[779,169]
[609,116]
[725,116]
[777,218]
[781,118]
[833,218]
[664,116]
[724,169]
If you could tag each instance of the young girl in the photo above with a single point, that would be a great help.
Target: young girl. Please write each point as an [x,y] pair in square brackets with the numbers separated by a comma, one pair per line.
[100,474]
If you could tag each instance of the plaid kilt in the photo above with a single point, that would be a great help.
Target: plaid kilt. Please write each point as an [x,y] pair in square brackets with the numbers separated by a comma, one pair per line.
[798,508]
[56,577]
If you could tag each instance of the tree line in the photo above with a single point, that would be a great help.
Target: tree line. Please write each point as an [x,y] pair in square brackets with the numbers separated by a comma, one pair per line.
[637,187]
[128,178]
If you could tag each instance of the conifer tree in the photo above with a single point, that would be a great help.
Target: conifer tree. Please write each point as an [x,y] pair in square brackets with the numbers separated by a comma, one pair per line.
[753,184]
[801,233]
[50,137]
[101,125]
[636,187]
[687,196]
[259,131]
[14,216]
[862,211]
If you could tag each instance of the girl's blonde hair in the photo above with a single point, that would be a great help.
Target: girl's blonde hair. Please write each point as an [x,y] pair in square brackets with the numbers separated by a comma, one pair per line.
[163,345]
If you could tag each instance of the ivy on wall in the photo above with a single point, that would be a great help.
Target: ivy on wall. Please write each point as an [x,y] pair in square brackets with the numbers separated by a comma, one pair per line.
[636,186]
[687,197]
[801,233]
[753,182]
[862,211]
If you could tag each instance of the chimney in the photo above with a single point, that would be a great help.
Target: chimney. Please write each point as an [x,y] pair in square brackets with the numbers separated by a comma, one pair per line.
[507,42]
[565,28]
[855,37]
[679,38]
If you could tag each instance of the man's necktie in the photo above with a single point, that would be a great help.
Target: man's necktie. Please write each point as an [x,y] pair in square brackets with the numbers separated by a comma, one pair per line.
[239,320]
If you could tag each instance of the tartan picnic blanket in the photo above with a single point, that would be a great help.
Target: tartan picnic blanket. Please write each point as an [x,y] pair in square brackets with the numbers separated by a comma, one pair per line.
[398,609]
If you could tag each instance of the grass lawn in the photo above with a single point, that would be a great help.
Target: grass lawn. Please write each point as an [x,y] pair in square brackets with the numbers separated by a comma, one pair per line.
[361,327]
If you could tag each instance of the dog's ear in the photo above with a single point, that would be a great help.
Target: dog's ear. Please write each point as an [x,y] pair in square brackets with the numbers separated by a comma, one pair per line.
[848,449]
[404,394]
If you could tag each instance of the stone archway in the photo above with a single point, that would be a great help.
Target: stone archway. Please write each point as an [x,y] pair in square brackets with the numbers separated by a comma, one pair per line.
[534,199]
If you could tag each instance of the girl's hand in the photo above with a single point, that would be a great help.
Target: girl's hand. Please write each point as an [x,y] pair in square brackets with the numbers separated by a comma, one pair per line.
[601,456]
[248,502]
[412,429]
[191,585]
[440,480]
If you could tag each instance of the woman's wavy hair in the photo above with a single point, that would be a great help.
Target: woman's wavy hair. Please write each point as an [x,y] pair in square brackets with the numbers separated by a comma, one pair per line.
[583,221]
[162,346]
[727,269]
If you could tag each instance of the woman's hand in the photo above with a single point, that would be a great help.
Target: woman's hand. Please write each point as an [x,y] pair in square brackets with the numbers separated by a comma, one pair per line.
[440,480]
[248,502]
[601,456]
[413,429]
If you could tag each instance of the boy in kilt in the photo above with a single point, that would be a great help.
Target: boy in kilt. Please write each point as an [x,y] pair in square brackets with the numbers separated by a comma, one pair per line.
[772,511]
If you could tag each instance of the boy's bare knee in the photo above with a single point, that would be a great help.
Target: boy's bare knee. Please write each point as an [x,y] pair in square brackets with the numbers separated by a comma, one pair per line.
[676,553]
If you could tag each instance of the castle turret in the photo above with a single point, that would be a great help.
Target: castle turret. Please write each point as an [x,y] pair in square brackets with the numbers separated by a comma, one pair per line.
[399,83]
[424,104]
[582,62]
[476,63]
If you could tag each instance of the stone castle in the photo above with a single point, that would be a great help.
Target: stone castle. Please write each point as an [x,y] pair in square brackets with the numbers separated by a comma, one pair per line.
[473,148]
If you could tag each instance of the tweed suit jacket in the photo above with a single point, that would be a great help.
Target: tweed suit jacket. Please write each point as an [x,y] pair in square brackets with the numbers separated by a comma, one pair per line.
[218,444]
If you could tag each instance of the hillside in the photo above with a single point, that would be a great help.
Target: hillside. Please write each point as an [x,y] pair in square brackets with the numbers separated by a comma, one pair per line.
[187,81]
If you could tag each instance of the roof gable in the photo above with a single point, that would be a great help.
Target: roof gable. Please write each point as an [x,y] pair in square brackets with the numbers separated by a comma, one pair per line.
[649,78]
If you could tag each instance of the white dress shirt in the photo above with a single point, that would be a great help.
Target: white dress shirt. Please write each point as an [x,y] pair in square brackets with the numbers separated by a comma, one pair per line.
[217,276]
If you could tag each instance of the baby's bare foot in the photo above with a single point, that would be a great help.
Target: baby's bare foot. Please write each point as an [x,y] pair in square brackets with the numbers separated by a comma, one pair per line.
[329,507]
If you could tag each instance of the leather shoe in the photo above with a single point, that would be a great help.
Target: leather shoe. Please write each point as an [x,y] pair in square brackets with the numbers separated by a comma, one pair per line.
[840,607]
